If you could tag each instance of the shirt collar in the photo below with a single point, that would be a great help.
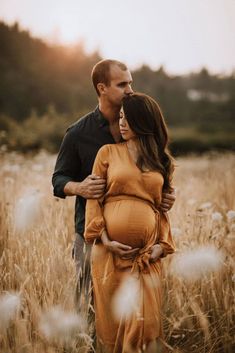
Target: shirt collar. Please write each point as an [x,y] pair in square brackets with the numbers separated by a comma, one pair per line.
[101,119]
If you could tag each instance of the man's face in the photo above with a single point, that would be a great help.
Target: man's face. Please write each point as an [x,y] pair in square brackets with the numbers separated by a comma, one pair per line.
[120,86]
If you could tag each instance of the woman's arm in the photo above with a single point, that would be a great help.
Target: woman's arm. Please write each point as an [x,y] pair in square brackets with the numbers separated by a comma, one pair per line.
[122,250]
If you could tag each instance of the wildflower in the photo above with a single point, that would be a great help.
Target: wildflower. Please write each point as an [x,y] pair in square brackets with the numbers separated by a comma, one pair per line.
[27,210]
[126,298]
[216,216]
[231,215]
[56,324]
[9,304]
[193,264]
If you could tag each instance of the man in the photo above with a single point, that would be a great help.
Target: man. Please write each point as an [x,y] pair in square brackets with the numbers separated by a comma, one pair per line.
[72,176]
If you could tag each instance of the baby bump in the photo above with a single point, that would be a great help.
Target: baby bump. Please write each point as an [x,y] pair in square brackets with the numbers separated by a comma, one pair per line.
[129,222]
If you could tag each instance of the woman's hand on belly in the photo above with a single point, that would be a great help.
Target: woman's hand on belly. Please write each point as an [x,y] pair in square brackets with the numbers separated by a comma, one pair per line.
[156,253]
[122,250]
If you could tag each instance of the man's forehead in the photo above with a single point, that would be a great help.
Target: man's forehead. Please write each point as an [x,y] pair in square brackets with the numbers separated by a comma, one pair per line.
[116,73]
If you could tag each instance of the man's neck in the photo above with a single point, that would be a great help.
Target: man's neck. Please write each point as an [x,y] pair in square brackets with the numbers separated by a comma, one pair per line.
[110,113]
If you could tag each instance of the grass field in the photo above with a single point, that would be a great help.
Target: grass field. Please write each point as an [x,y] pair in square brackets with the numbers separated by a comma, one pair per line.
[37,277]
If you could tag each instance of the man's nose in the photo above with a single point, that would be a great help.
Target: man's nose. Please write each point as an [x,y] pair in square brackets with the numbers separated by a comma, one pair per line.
[128,90]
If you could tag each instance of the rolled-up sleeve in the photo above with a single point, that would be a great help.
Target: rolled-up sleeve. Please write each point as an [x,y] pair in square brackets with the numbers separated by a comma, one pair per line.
[67,164]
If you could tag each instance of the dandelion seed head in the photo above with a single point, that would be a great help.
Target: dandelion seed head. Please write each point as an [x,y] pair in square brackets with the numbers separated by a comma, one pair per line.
[231,215]
[194,264]
[125,300]
[216,216]
[9,304]
[56,324]
[27,210]
[205,205]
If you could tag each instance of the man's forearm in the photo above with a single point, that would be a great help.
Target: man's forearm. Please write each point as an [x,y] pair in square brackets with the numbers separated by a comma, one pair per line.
[92,187]
[72,188]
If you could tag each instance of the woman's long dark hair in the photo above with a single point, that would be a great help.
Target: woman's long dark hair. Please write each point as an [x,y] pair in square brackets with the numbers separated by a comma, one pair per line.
[145,118]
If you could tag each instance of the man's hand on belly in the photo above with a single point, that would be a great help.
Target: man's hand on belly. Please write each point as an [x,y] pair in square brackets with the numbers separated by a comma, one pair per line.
[168,200]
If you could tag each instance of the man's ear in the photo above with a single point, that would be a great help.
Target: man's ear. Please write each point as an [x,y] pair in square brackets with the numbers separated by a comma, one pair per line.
[101,88]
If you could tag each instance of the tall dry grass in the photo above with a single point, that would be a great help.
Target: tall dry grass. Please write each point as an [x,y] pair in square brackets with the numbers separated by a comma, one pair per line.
[36,261]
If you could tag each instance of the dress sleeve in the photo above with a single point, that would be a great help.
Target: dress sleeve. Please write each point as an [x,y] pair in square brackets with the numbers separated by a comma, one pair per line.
[165,236]
[94,220]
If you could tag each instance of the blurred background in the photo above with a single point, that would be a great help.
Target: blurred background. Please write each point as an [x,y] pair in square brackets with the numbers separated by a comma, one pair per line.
[180,52]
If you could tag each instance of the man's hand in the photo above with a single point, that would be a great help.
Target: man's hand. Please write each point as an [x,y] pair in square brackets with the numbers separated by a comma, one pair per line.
[168,200]
[122,250]
[92,187]
[157,251]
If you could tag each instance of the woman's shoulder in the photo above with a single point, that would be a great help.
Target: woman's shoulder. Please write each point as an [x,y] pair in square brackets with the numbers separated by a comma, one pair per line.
[111,147]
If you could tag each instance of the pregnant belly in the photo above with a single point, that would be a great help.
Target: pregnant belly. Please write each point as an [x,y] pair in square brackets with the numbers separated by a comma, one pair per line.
[129,222]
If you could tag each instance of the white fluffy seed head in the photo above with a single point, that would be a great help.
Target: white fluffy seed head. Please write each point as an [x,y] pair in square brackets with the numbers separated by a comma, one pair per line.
[194,264]
[27,210]
[205,206]
[126,299]
[216,217]
[231,215]
[9,304]
[57,324]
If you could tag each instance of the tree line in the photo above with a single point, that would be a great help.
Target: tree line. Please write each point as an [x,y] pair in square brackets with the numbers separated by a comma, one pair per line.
[44,88]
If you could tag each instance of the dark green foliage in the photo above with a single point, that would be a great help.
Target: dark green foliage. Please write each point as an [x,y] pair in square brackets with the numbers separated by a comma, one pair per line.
[34,75]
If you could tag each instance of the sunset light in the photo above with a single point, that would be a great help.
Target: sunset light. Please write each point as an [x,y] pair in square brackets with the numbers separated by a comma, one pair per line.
[181,35]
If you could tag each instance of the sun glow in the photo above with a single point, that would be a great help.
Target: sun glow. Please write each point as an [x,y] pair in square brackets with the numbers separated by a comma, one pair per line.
[178,35]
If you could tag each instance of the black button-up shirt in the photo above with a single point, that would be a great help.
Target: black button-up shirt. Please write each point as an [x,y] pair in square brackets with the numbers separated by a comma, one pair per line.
[77,155]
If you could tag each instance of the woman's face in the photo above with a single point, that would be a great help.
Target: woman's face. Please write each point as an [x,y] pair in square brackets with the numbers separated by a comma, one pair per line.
[125,129]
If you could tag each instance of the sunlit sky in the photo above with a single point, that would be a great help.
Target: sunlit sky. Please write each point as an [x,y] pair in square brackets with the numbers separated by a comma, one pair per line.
[181,35]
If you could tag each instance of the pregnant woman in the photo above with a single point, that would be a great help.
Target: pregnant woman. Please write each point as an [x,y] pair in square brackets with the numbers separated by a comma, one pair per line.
[137,171]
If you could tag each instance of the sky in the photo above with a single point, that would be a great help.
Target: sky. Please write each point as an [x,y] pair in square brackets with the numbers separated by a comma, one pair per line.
[181,35]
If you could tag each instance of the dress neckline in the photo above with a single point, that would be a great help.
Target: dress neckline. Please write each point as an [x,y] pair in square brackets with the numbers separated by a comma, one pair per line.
[132,160]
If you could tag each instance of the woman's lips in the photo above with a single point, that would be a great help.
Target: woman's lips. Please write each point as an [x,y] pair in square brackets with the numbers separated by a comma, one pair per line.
[123,131]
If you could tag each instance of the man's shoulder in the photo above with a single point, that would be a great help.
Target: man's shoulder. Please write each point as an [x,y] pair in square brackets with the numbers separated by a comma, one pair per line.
[81,123]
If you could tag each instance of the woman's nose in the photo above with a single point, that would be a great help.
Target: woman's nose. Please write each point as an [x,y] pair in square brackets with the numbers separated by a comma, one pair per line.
[122,122]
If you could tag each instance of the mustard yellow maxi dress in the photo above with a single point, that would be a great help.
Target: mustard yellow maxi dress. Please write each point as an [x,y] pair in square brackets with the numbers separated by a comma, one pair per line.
[129,213]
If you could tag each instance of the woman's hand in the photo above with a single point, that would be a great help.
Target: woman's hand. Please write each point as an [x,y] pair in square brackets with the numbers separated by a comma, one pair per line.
[122,250]
[157,251]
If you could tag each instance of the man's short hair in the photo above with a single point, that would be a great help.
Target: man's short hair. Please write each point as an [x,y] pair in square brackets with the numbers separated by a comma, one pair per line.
[101,72]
